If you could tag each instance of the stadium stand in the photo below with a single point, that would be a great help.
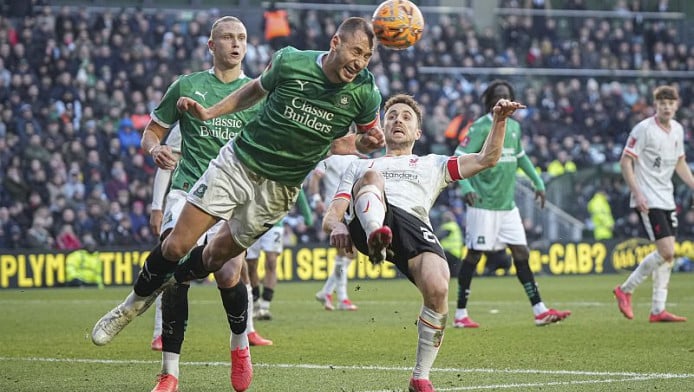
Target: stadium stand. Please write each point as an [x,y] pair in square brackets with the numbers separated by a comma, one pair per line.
[77,84]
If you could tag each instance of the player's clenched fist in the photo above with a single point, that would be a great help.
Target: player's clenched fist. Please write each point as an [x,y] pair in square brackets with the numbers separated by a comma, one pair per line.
[186,104]
[505,108]
[371,140]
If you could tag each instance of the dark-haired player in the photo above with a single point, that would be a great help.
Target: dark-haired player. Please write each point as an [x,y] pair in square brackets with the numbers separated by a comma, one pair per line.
[493,221]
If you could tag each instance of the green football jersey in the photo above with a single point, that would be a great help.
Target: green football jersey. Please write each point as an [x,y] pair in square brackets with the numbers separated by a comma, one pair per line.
[201,140]
[303,113]
[495,186]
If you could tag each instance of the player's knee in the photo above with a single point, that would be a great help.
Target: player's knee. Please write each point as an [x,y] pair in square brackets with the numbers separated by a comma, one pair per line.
[226,277]
[472,257]
[173,249]
[218,252]
[373,177]
[667,255]
[520,252]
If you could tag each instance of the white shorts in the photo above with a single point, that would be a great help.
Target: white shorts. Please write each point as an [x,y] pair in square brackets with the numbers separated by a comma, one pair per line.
[493,230]
[269,242]
[250,203]
[175,200]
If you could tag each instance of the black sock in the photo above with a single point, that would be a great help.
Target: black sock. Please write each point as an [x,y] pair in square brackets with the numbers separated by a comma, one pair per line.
[155,271]
[464,281]
[235,302]
[256,293]
[192,267]
[525,276]
[268,293]
[174,315]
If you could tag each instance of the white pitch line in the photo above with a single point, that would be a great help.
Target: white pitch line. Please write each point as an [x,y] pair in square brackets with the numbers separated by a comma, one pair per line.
[539,384]
[478,304]
[626,376]
[630,375]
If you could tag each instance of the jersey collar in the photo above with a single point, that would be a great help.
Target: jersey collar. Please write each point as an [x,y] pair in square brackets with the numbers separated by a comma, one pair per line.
[241,75]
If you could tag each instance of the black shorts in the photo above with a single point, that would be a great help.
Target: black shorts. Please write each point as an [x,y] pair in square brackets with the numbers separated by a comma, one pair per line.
[659,223]
[411,237]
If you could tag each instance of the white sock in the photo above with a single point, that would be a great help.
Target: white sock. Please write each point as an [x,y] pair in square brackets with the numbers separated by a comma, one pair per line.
[249,319]
[461,313]
[645,269]
[169,363]
[661,279]
[369,208]
[157,317]
[539,308]
[331,282]
[343,262]
[238,341]
[264,305]
[430,328]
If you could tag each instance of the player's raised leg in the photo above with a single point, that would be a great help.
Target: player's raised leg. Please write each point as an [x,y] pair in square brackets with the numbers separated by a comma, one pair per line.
[157,270]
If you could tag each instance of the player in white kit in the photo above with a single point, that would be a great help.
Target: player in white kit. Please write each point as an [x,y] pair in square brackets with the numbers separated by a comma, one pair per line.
[382,207]
[328,174]
[653,153]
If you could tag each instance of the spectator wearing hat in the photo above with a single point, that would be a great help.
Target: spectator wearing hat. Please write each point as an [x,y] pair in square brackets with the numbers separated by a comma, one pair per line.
[128,135]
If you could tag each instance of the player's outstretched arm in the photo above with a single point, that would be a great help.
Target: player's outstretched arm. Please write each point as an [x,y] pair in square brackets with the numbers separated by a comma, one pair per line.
[471,164]
[243,98]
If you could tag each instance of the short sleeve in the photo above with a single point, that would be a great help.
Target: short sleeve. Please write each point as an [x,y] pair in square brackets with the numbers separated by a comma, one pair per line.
[271,75]
[166,113]
[372,104]
[636,141]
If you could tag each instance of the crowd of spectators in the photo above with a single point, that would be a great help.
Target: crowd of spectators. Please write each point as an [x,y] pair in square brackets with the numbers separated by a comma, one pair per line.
[77,87]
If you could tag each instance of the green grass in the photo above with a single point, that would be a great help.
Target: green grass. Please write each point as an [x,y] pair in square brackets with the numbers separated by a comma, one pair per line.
[44,343]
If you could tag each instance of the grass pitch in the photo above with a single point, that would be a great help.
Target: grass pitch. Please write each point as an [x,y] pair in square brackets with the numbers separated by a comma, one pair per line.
[45,346]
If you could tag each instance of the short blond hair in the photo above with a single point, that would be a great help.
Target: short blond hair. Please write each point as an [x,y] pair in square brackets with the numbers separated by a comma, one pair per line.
[221,20]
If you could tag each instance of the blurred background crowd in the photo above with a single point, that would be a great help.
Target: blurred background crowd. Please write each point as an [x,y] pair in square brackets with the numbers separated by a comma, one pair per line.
[77,85]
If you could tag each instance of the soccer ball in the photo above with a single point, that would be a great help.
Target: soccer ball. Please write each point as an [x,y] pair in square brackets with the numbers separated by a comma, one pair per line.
[398,24]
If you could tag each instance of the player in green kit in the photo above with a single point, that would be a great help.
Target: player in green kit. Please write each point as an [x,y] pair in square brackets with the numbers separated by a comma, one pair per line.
[200,141]
[493,221]
[311,98]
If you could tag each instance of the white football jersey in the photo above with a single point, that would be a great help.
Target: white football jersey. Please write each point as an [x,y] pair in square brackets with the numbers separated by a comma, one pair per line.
[173,138]
[655,151]
[332,168]
[411,182]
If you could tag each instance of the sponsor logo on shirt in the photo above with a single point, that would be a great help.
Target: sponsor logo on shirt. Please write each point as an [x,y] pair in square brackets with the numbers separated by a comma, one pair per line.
[302,83]
[221,128]
[401,176]
[657,161]
[303,112]
[202,95]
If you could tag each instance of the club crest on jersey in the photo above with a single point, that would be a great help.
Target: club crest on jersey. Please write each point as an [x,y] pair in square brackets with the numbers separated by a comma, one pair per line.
[480,240]
[200,191]
[343,101]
